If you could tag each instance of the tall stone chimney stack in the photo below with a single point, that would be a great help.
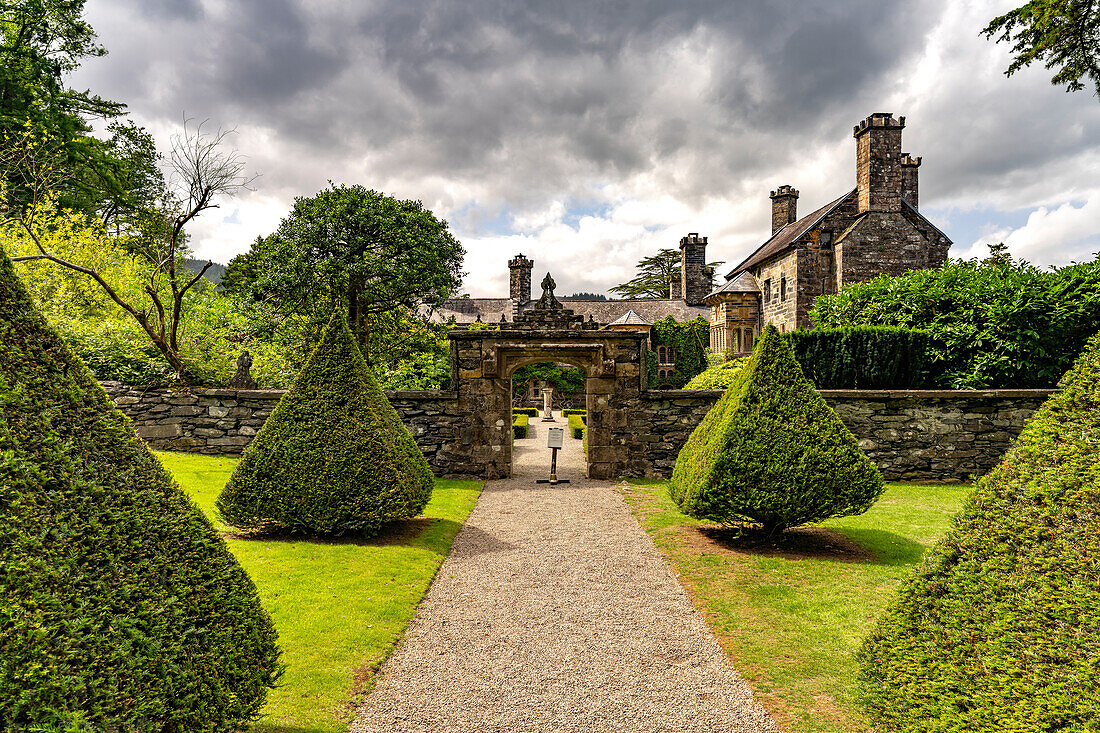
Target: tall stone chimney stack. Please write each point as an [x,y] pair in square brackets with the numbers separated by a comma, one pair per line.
[784,207]
[695,275]
[878,162]
[909,166]
[519,281]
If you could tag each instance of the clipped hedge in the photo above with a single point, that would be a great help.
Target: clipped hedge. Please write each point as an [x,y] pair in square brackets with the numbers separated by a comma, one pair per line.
[719,376]
[771,451]
[122,608]
[520,425]
[866,357]
[567,413]
[529,411]
[999,629]
[333,457]
[576,426]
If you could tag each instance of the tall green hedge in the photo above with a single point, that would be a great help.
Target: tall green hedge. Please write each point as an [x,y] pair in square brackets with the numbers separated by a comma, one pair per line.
[999,630]
[121,609]
[772,452]
[333,457]
[866,357]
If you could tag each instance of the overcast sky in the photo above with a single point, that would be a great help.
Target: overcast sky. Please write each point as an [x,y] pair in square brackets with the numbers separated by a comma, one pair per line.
[590,134]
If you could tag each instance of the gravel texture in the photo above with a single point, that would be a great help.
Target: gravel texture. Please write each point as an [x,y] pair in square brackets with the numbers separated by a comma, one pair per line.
[555,612]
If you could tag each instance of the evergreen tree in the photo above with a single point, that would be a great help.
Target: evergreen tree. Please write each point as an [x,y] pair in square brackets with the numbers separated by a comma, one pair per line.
[999,630]
[333,457]
[122,607]
[771,451]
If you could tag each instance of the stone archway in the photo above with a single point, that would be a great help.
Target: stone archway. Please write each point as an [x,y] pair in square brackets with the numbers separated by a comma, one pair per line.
[613,362]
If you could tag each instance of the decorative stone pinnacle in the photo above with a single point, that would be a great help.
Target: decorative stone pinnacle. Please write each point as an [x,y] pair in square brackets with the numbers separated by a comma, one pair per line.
[548,301]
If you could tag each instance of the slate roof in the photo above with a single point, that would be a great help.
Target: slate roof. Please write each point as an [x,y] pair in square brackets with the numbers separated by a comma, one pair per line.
[786,237]
[467,310]
[630,318]
[743,283]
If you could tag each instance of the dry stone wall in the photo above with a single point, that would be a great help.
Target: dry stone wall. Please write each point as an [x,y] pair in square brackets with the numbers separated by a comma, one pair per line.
[912,435]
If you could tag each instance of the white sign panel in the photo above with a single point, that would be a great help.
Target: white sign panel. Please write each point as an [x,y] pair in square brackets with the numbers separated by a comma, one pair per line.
[554,437]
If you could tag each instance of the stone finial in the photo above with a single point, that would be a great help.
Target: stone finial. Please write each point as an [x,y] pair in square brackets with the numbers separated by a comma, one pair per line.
[242,379]
[548,301]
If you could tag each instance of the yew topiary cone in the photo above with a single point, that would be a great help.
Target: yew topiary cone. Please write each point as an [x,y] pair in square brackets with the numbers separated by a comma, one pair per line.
[121,609]
[999,630]
[333,457]
[772,452]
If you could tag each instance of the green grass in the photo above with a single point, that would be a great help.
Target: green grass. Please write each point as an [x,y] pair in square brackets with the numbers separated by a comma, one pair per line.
[340,607]
[792,620]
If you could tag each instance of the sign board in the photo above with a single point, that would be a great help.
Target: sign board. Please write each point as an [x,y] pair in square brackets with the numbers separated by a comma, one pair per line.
[554,437]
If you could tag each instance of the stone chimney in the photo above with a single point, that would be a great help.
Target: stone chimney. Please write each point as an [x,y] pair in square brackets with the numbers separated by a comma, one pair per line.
[784,207]
[675,283]
[519,284]
[695,275]
[909,166]
[878,162]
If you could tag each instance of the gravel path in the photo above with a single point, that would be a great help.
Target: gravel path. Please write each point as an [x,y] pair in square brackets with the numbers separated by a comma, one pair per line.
[555,612]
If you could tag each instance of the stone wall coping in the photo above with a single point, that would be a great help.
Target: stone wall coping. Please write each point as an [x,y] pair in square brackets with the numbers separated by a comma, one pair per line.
[879,394]
[947,394]
[554,334]
[275,394]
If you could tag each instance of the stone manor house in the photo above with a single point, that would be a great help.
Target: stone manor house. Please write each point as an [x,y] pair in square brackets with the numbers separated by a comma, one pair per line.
[872,229]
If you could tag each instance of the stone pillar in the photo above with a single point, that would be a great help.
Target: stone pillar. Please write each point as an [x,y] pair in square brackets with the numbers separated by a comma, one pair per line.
[548,404]
[909,166]
[878,162]
[784,207]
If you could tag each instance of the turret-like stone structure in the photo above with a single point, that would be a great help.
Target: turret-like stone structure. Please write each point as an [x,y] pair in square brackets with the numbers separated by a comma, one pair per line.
[784,207]
[519,284]
[878,162]
[695,275]
[909,166]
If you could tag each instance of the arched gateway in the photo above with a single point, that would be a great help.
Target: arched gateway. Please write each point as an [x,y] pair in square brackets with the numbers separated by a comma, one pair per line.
[613,363]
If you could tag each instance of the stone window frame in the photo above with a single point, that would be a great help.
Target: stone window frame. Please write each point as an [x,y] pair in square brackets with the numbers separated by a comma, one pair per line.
[783,289]
[767,291]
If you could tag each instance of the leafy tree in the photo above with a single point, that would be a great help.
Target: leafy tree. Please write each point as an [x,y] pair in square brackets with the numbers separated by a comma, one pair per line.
[362,250]
[204,170]
[333,457]
[771,451]
[996,323]
[566,380]
[582,296]
[123,609]
[654,273]
[1063,34]
[999,628]
[43,40]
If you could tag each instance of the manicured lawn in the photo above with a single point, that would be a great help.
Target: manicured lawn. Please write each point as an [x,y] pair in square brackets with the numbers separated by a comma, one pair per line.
[792,616]
[340,607]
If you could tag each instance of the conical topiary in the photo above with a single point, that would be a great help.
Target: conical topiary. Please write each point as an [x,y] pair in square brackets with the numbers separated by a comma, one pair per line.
[772,452]
[999,630]
[121,608]
[333,457]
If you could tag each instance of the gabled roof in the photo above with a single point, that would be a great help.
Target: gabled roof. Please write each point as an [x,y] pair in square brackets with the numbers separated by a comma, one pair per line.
[743,283]
[788,236]
[630,318]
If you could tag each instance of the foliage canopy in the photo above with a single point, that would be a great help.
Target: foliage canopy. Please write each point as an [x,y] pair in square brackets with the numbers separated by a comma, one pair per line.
[995,323]
[1063,34]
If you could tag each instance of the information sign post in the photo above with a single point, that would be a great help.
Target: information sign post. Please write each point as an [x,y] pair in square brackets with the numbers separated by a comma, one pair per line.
[555,438]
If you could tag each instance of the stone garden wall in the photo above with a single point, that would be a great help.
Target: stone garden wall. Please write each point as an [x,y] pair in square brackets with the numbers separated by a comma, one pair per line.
[924,435]
[912,435]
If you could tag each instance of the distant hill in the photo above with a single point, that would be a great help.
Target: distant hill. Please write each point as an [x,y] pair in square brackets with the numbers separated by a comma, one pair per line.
[582,296]
[214,274]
